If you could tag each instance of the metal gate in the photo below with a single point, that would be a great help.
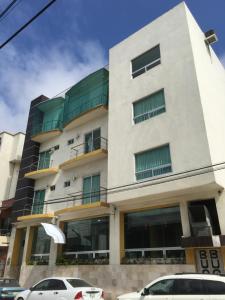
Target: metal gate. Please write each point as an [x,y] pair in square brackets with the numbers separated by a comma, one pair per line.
[209,261]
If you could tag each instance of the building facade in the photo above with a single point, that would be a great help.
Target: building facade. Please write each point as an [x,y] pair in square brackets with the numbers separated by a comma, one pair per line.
[11,147]
[130,165]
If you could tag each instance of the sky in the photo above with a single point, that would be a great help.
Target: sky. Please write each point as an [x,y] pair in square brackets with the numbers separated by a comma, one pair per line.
[71,39]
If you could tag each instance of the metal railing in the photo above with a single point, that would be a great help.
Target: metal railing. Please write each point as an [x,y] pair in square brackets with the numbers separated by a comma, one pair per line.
[90,146]
[164,255]
[149,114]
[41,164]
[90,254]
[146,68]
[156,171]
[46,126]
[85,106]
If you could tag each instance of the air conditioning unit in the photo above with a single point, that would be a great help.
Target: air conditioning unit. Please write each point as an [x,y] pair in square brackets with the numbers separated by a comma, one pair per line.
[210,37]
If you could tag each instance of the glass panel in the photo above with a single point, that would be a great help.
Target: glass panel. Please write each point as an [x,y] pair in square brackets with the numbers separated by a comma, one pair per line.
[149,107]
[163,287]
[97,139]
[88,142]
[78,283]
[87,235]
[44,160]
[38,202]
[145,59]
[86,190]
[41,241]
[95,191]
[153,162]
[155,228]
[188,287]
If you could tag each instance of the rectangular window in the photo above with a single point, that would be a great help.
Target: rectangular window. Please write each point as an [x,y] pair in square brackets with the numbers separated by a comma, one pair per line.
[40,246]
[38,202]
[56,147]
[92,140]
[149,107]
[91,189]
[145,61]
[70,142]
[52,188]
[154,234]
[87,235]
[44,160]
[67,183]
[153,162]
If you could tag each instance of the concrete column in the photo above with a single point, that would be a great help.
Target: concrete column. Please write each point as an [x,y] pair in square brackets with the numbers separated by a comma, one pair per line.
[185,219]
[115,237]
[10,252]
[54,248]
[220,205]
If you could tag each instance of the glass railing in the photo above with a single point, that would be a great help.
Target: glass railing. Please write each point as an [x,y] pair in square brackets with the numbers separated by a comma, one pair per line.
[46,126]
[84,107]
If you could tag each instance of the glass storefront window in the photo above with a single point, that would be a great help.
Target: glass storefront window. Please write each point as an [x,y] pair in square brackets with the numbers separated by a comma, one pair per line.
[154,234]
[91,235]
[41,246]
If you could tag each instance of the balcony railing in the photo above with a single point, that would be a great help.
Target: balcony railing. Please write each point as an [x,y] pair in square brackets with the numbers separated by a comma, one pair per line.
[46,126]
[164,255]
[85,106]
[40,165]
[93,145]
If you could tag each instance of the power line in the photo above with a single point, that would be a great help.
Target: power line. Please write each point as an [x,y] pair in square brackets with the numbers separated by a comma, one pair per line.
[9,11]
[7,8]
[145,183]
[27,24]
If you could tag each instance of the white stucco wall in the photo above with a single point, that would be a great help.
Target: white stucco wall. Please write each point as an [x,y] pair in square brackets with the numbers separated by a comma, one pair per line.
[182,125]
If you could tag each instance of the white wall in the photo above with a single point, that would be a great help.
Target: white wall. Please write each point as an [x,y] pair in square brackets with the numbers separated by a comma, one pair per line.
[182,125]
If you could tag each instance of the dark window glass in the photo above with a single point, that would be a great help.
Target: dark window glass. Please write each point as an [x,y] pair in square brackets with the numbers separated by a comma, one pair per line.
[52,187]
[87,235]
[41,241]
[78,283]
[92,140]
[70,142]
[66,183]
[56,147]
[215,287]
[145,61]
[189,287]
[41,286]
[56,284]
[163,287]
[153,228]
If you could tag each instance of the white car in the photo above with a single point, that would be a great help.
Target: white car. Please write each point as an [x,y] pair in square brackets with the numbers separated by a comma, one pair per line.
[182,287]
[62,288]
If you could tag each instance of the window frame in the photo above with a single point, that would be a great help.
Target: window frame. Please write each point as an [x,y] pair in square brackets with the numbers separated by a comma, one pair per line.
[149,112]
[146,66]
[67,183]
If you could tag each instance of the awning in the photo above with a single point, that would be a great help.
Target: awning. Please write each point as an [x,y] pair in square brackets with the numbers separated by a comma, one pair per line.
[55,232]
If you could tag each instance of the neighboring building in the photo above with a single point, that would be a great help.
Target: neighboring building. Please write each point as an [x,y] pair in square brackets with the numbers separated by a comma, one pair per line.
[11,148]
[154,142]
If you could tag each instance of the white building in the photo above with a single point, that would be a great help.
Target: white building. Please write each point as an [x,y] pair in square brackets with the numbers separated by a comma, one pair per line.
[11,148]
[155,142]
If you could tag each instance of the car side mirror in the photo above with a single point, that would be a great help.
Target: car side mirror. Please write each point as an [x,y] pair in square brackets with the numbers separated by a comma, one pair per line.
[31,288]
[144,292]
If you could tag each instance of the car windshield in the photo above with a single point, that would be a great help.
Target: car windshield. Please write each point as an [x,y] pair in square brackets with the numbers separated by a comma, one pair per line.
[78,283]
[5,282]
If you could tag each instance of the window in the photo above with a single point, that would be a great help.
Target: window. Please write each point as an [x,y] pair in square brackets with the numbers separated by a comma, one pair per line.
[153,162]
[91,189]
[56,147]
[215,287]
[156,228]
[93,140]
[87,235]
[41,245]
[44,160]
[38,202]
[41,286]
[163,287]
[70,142]
[78,283]
[149,107]
[146,61]
[67,183]
[188,287]
[52,188]
[56,284]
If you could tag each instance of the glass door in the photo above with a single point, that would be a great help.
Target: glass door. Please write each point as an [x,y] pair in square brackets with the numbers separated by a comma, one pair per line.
[92,140]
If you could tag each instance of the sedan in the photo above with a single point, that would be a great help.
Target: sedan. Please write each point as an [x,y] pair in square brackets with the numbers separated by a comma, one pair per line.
[9,288]
[65,288]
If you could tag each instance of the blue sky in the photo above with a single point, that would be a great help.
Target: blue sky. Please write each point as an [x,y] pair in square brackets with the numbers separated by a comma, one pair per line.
[71,40]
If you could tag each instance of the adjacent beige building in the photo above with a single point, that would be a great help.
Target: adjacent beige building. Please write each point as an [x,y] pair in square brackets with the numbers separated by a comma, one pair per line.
[130,165]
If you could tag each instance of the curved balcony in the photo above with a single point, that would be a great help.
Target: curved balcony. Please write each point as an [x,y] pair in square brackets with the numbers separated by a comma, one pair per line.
[44,131]
[86,153]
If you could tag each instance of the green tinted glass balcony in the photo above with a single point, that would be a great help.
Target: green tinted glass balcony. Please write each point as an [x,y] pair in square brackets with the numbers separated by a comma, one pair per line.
[46,126]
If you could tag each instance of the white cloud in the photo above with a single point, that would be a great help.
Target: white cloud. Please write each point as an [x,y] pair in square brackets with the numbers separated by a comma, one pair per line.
[25,76]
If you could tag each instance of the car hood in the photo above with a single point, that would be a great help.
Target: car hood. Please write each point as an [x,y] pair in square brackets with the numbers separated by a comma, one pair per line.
[23,294]
[129,295]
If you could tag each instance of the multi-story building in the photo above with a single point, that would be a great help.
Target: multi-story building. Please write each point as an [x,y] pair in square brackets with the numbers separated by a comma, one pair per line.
[134,177]
[11,147]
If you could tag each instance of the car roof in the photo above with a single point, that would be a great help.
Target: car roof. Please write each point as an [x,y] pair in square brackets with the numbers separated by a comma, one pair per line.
[194,276]
[61,278]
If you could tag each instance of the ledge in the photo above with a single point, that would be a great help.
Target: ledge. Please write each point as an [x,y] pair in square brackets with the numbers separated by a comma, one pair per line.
[86,116]
[82,207]
[35,217]
[41,173]
[45,136]
[83,159]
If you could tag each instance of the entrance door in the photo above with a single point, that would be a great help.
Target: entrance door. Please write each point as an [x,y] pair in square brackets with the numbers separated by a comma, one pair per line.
[209,261]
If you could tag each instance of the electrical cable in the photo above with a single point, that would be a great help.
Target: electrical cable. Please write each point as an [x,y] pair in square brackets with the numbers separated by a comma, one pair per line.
[7,8]
[27,24]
